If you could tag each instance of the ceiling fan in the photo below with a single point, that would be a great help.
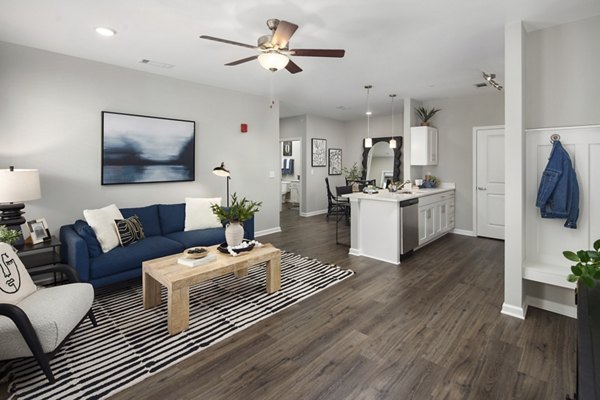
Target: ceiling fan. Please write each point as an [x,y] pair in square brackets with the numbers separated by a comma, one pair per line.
[274,48]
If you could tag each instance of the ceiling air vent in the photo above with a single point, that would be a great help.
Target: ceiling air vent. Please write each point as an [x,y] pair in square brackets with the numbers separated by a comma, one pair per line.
[156,64]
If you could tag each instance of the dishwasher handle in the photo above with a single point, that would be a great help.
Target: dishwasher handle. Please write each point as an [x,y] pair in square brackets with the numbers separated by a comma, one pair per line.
[409,202]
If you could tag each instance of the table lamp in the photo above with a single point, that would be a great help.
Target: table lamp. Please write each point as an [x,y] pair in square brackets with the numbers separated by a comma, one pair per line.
[221,171]
[17,186]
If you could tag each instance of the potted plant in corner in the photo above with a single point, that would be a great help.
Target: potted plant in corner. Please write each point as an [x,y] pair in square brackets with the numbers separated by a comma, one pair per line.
[425,115]
[238,212]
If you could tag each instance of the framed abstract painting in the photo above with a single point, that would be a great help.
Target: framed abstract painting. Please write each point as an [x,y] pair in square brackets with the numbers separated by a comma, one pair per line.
[319,152]
[144,149]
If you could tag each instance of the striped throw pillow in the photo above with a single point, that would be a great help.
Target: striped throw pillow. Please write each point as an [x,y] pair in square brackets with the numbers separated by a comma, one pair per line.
[130,230]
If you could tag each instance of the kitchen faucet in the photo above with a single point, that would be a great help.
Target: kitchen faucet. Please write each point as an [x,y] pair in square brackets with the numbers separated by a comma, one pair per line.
[403,183]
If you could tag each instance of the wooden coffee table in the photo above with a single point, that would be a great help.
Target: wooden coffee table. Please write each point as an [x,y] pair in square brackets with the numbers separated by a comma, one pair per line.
[178,278]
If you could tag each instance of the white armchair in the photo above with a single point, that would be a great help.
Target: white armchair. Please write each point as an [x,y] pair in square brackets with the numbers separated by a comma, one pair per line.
[36,321]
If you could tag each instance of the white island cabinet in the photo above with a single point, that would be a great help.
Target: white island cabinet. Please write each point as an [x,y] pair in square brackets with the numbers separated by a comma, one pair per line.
[376,223]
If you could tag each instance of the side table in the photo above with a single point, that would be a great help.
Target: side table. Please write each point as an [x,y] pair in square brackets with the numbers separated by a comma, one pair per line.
[37,255]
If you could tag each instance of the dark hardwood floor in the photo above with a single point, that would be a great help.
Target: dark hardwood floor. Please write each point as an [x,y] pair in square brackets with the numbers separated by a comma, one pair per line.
[430,328]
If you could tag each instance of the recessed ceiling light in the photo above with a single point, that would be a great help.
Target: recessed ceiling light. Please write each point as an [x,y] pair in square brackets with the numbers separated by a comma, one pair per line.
[104,31]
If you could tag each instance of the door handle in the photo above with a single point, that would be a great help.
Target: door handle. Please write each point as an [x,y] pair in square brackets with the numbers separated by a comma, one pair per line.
[481,188]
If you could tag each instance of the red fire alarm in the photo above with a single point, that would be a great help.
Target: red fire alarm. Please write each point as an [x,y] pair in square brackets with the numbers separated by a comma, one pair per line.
[244,128]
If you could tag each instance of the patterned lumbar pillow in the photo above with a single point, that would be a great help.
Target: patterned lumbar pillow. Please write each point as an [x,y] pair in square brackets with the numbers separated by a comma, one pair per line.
[130,230]
[15,282]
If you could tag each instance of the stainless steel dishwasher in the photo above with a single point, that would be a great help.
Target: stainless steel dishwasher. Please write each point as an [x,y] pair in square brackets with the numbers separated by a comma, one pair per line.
[409,226]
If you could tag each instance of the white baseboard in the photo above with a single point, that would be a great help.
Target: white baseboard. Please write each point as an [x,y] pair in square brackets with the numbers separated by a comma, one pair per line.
[514,311]
[267,231]
[463,232]
[313,213]
[354,252]
[552,306]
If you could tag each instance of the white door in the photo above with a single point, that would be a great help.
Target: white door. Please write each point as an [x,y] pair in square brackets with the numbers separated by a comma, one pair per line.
[489,182]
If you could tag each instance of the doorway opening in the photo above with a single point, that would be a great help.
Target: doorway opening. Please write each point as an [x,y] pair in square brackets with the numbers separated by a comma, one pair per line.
[291,166]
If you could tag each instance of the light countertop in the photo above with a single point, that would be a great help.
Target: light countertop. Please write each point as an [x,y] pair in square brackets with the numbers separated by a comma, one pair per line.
[385,195]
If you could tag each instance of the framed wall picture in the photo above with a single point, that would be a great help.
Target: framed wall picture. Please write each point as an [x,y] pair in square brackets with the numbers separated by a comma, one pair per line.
[287,148]
[335,161]
[143,149]
[38,230]
[319,152]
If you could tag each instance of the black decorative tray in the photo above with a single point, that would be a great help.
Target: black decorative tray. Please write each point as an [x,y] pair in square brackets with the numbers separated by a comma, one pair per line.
[223,247]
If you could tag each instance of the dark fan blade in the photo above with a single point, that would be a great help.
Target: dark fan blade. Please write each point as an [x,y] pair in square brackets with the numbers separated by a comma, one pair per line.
[318,53]
[283,33]
[243,60]
[293,67]
[216,39]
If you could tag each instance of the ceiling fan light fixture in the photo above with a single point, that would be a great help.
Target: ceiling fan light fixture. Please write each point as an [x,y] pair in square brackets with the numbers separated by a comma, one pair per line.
[273,61]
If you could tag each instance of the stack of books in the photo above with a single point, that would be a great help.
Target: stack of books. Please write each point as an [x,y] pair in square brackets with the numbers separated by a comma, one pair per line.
[190,262]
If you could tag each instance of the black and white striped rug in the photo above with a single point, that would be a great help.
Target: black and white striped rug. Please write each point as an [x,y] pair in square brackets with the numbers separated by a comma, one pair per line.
[131,343]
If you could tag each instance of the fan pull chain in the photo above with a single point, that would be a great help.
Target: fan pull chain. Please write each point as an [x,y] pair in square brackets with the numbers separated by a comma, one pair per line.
[271,91]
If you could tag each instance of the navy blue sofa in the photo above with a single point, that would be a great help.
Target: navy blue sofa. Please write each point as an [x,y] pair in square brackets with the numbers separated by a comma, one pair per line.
[163,227]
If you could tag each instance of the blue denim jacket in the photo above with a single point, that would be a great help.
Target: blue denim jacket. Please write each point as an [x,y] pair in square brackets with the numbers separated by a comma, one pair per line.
[558,194]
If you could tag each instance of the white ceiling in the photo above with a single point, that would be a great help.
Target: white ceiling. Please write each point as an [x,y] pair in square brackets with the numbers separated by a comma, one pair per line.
[423,49]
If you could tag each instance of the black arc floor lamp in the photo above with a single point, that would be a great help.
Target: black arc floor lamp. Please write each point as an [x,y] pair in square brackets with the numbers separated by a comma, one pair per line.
[222,171]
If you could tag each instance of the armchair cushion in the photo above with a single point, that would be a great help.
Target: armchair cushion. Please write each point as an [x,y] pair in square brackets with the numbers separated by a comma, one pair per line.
[54,312]
[15,282]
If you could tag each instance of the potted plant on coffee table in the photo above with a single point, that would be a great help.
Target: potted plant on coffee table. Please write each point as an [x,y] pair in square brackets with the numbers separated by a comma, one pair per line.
[235,215]
[587,267]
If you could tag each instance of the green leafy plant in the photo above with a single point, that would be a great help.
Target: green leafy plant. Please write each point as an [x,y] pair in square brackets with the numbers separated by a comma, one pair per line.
[354,173]
[8,235]
[239,210]
[587,267]
[425,115]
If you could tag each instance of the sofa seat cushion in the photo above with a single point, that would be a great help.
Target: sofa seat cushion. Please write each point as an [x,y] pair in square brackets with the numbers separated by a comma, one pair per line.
[199,237]
[131,257]
[54,312]
[148,217]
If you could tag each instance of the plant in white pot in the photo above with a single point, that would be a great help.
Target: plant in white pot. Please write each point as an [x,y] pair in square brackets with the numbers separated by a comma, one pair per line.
[425,115]
[235,215]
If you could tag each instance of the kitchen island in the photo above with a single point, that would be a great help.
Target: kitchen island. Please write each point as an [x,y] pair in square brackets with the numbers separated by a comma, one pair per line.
[376,221]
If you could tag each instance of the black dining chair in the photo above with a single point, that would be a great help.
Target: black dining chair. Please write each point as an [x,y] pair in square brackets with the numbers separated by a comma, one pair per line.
[334,206]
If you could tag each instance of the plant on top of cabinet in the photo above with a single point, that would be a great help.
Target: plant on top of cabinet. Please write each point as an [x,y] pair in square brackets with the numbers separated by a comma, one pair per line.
[587,268]
[425,115]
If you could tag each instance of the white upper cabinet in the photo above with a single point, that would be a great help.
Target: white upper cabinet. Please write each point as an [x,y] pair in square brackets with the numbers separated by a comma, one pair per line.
[423,145]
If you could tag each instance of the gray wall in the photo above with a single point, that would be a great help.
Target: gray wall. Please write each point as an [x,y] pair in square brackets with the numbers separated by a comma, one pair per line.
[455,126]
[356,131]
[50,120]
[315,194]
[562,86]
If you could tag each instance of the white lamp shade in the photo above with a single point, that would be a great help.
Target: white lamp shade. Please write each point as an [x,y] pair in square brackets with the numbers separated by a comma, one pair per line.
[393,144]
[273,61]
[19,185]
[368,142]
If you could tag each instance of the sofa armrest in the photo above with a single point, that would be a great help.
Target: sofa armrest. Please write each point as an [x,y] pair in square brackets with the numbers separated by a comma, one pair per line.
[249,228]
[74,252]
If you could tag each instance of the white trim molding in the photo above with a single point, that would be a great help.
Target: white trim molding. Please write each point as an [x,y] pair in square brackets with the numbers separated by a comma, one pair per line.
[313,213]
[463,232]
[549,305]
[513,311]
[267,231]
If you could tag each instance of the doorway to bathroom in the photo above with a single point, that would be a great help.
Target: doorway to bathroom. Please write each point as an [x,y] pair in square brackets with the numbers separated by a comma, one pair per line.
[291,167]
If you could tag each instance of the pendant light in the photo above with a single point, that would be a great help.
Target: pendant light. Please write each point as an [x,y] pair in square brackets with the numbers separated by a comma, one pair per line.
[368,140]
[393,141]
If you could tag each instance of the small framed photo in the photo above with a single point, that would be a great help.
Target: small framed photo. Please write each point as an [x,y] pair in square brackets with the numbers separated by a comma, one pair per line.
[38,229]
[287,148]
[335,161]
[319,152]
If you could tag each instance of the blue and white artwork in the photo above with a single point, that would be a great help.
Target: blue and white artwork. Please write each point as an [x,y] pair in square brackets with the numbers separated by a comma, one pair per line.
[140,149]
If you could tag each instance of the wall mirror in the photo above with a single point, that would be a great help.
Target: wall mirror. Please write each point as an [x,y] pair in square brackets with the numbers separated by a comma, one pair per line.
[380,162]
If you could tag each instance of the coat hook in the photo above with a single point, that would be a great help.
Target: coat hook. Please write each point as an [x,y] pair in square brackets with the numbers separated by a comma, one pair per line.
[555,137]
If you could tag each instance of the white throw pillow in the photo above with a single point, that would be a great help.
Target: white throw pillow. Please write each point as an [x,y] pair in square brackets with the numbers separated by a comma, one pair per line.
[102,222]
[15,282]
[198,214]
